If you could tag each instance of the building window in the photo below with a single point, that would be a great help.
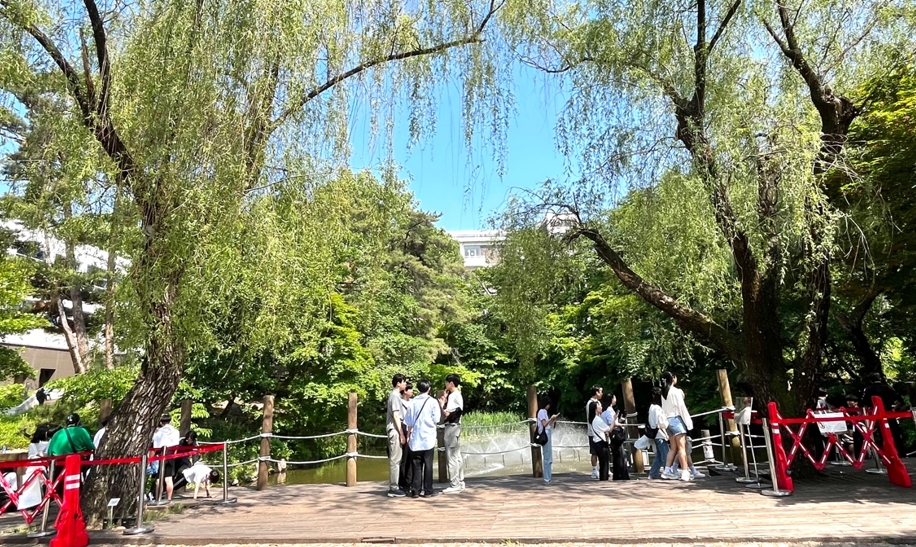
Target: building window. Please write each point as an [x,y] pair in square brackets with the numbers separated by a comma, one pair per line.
[471,251]
[44,376]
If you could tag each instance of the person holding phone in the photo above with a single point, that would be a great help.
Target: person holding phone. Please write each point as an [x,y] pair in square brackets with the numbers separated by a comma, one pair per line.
[545,424]
[601,431]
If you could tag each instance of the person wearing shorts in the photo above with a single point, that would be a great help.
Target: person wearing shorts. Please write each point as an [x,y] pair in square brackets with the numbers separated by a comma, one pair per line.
[164,438]
[593,449]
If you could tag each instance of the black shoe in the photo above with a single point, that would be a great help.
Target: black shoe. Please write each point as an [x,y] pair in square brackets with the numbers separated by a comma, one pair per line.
[414,495]
[431,494]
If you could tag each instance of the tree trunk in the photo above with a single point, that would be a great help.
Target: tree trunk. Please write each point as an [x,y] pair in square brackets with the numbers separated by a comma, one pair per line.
[72,347]
[852,324]
[79,334]
[132,425]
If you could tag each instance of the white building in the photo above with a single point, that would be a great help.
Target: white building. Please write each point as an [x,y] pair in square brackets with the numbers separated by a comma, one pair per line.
[478,247]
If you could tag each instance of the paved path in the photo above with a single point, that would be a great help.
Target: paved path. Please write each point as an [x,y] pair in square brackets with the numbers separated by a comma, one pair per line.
[847,506]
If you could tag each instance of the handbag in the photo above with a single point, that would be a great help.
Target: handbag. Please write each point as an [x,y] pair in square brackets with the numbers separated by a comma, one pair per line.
[651,432]
[540,436]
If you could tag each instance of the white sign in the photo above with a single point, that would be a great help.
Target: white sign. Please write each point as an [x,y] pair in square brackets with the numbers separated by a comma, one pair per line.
[838,426]
[113,502]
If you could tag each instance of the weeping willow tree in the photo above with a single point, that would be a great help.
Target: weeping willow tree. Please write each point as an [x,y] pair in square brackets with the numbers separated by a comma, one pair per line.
[728,115]
[200,105]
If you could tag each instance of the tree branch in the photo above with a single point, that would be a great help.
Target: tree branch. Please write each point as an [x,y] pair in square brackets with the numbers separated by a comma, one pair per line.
[474,37]
[728,17]
[101,50]
[687,318]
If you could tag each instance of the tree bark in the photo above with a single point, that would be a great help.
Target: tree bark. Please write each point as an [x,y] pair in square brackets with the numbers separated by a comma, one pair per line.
[79,332]
[72,347]
[131,427]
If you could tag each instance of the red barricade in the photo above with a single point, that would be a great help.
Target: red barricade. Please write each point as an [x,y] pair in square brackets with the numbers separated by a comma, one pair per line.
[37,474]
[865,423]
[71,528]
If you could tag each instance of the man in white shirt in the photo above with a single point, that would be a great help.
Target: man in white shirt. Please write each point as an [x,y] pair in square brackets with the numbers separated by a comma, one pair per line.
[453,407]
[395,432]
[97,439]
[597,392]
[166,437]
[422,419]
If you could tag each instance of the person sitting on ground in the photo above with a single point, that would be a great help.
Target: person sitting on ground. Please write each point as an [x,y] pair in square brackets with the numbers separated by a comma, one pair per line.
[166,437]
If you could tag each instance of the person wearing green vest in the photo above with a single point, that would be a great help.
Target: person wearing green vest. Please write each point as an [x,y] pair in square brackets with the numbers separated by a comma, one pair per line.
[71,439]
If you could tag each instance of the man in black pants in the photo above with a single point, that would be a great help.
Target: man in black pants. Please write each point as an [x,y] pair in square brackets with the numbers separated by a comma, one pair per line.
[422,419]
[407,460]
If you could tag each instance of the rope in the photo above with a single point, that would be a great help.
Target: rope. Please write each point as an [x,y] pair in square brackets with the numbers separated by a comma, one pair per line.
[494,426]
[371,457]
[256,460]
[498,453]
[306,437]
[707,413]
[364,434]
[573,423]
[246,439]
[311,462]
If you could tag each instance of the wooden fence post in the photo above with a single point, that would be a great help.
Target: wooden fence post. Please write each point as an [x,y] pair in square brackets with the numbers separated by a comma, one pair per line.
[629,405]
[537,463]
[725,397]
[185,425]
[266,427]
[351,440]
[440,443]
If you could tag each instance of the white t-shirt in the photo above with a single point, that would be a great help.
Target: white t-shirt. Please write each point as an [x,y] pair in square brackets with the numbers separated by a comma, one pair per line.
[657,419]
[601,429]
[673,405]
[423,416]
[541,418]
[588,418]
[166,436]
[454,402]
[98,437]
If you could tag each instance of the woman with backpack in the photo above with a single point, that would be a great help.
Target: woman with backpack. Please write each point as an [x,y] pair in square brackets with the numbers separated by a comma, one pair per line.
[679,423]
[545,424]
[656,429]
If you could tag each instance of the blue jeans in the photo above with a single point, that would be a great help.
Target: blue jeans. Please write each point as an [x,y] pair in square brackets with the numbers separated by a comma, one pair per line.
[661,454]
[547,452]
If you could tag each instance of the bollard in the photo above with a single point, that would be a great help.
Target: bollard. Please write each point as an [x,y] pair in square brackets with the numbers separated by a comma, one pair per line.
[746,479]
[726,466]
[725,397]
[139,528]
[708,454]
[771,457]
[44,532]
[226,498]
[755,484]
[351,439]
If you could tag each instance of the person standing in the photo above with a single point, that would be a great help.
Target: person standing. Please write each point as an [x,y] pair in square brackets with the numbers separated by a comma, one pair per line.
[601,431]
[596,394]
[891,401]
[164,438]
[71,439]
[406,475]
[545,424]
[658,423]
[679,423]
[452,408]
[396,435]
[422,419]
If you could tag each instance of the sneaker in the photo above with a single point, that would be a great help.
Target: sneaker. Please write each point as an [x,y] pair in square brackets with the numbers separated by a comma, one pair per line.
[414,495]
[431,494]
[453,489]
[396,493]
[686,476]
[463,487]
[670,476]
[594,473]
[697,475]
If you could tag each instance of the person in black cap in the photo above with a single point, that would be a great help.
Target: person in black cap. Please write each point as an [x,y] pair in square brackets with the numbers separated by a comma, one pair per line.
[71,439]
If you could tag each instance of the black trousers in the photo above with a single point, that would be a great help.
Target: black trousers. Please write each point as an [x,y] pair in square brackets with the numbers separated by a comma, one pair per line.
[602,460]
[619,461]
[422,470]
[406,478]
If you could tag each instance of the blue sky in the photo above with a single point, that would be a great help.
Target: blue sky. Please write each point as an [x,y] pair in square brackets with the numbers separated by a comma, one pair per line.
[463,185]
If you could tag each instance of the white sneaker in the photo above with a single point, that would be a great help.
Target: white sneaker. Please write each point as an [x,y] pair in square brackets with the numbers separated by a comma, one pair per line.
[669,476]
[452,490]
[594,473]
[463,486]
[698,475]
[686,476]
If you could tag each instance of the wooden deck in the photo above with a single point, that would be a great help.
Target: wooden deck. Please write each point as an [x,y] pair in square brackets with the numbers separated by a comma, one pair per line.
[844,507]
